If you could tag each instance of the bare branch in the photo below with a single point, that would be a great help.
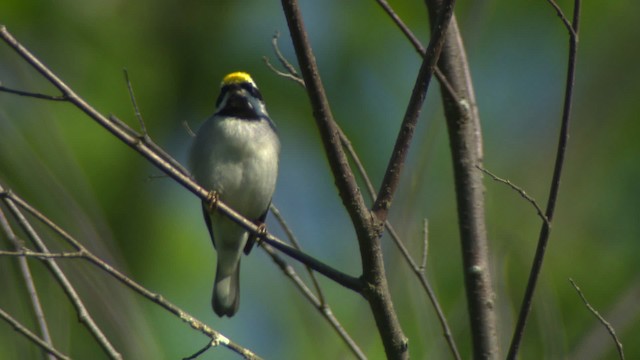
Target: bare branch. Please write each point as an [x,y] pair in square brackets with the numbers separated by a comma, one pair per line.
[346,143]
[341,278]
[465,142]
[543,239]
[403,141]
[289,76]
[46,346]
[602,320]
[283,60]
[294,241]
[43,255]
[425,245]
[564,19]
[208,346]
[28,281]
[83,315]
[417,45]
[13,201]
[318,303]
[522,193]
[291,73]
[368,229]
[134,103]
[32,95]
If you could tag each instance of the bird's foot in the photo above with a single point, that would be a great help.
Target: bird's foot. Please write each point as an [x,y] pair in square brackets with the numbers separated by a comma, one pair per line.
[262,230]
[212,200]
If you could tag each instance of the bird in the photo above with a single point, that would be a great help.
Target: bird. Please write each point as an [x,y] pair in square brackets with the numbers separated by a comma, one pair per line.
[235,154]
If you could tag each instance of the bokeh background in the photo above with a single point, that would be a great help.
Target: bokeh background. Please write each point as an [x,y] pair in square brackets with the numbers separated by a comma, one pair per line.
[111,199]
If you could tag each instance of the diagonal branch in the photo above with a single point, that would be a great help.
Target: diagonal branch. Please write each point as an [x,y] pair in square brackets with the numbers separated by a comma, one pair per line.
[545,231]
[517,189]
[45,345]
[317,302]
[32,95]
[600,318]
[403,141]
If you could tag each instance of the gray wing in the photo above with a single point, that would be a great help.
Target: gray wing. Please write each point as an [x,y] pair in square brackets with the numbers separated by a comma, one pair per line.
[207,220]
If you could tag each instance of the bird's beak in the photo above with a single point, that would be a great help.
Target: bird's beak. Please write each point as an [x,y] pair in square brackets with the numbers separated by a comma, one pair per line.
[237,99]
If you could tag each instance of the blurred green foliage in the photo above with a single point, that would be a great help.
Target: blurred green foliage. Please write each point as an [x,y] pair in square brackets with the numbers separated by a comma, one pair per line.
[176,53]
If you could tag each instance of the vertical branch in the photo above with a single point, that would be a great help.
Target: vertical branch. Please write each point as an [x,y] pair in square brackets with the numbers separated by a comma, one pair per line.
[563,139]
[465,138]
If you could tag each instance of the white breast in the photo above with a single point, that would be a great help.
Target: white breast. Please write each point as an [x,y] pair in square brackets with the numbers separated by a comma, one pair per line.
[239,159]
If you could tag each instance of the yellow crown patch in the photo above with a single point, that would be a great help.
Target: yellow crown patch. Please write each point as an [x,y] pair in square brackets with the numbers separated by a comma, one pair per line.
[237,77]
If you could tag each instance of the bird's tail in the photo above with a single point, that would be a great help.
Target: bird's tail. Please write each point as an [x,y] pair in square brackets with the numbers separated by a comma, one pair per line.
[226,289]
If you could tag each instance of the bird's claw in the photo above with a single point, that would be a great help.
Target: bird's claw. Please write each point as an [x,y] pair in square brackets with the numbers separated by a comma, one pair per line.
[212,200]
[262,231]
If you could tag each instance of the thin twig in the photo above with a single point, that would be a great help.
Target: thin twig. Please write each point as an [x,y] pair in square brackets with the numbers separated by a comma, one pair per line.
[283,60]
[33,337]
[602,320]
[134,103]
[83,315]
[43,255]
[33,95]
[319,301]
[320,305]
[200,352]
[196,324]
[565,20]
[294,241]
[296,79]
[341,278]
[291,73]
[543,239]
[519,190]
[425,245]
[28,281]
